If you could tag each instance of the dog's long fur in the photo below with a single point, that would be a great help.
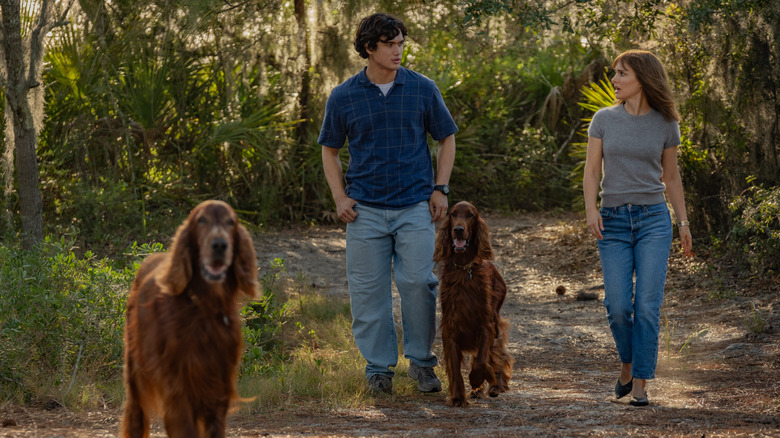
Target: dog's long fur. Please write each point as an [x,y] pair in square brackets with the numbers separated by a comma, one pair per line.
[183,339]
[471,292]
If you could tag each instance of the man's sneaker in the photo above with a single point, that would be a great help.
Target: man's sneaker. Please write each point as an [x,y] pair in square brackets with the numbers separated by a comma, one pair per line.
[426,378]
[380,383]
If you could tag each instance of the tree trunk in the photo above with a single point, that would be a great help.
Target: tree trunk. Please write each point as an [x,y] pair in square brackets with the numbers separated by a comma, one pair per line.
[304,94]
[18,105]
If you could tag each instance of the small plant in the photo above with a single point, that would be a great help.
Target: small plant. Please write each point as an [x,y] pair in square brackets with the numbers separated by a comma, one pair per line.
[715,282]
[756,231]
[264,324]
[755,322]
[299,343]
[693,337]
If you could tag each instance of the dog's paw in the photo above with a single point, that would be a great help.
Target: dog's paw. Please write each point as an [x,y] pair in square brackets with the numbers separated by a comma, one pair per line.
[478,375]
[480,392]
[457,402]
[495,390]
[500,385]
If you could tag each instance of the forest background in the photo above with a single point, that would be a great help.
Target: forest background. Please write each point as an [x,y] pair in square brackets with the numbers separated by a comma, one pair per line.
[150,107]
[145,108]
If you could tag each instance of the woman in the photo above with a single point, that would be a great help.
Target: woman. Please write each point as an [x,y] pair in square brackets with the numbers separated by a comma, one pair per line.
[636,141]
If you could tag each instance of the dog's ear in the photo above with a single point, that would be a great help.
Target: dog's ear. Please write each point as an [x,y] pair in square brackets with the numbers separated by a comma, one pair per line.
[177,270]
[443,248]
[484,248]
[244,268]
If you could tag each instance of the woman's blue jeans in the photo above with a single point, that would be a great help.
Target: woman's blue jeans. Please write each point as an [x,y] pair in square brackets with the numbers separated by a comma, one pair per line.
[637,240]
[381,243]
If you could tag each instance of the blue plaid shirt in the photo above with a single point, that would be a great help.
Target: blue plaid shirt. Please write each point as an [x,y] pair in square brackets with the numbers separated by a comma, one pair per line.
[390,164]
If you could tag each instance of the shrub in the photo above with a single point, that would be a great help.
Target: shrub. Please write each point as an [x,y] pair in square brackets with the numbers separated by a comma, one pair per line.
[61,320]
[62,317]
[756,231]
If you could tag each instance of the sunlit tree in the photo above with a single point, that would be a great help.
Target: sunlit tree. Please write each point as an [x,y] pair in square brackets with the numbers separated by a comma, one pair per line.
[25,26]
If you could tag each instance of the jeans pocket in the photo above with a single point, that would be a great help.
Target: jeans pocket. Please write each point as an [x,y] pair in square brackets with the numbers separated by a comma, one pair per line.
[656,210]
[607,213]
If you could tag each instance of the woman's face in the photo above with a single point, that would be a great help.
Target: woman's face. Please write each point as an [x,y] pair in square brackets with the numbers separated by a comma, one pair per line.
[625,81]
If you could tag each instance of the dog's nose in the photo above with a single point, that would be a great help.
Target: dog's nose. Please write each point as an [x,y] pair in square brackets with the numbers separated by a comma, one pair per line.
[219,246]
[458,230]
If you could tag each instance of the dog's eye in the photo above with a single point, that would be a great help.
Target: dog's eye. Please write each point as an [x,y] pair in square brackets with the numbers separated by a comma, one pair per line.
[202,220]
[230,222]
[471,214]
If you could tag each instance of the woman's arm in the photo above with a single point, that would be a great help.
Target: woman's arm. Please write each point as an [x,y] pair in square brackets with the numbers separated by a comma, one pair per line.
[590,186]
[674,190]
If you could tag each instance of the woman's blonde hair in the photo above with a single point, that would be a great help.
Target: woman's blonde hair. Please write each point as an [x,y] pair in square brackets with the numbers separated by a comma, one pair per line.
[652,76]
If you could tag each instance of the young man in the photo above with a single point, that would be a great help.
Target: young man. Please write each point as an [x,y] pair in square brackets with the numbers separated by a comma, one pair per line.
[390,201]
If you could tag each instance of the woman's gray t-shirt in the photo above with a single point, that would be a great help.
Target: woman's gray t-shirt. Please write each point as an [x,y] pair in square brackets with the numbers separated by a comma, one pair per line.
[632,147]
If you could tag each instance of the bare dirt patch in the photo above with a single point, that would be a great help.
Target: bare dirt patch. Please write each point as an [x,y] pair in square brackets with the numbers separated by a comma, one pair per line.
[718,373]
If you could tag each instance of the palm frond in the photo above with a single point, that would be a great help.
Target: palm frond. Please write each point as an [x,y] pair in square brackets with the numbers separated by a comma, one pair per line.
[595,96]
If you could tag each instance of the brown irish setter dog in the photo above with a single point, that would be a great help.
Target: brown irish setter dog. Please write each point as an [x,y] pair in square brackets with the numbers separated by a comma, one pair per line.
[183,339]
[471,292]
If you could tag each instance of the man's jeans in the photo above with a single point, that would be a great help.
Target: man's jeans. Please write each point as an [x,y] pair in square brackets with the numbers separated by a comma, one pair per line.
[637,240]
[379,243]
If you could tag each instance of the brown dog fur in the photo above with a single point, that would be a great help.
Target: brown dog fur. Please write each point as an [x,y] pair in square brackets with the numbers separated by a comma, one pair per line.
[471,292]
[183,340]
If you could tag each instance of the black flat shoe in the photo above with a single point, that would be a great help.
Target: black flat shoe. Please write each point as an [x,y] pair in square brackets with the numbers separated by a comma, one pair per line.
[642,401]
[623,390]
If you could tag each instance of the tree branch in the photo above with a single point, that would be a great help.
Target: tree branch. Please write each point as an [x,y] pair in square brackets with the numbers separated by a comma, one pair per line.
[45,25]
[232,6]
[62,20]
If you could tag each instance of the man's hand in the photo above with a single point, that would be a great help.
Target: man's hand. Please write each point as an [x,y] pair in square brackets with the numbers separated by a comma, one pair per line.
[437,205]
[345,211]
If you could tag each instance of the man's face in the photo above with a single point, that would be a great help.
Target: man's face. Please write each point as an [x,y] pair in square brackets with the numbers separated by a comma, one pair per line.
[387,54]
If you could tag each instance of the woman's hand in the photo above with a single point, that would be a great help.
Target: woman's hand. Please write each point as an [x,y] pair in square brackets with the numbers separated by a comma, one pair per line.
[686,240]
[595,224]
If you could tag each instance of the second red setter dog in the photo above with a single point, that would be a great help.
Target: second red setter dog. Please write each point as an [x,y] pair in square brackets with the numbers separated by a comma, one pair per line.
[471,292]
[183,339]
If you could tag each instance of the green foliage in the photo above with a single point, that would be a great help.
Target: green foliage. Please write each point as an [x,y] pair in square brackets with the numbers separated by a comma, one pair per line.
[153,107]
[62,317]
[620,22]
[61,320]
[264,324]
[513,133]
[287,318]
[756,322]
[756,233]
[595,96]
[149,118]
[720,57]
[299,344]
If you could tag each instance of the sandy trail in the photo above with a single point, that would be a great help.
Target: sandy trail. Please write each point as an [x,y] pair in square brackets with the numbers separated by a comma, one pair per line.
[717,375]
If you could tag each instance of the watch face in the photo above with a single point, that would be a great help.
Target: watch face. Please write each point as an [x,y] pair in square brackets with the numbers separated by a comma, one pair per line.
[442,188]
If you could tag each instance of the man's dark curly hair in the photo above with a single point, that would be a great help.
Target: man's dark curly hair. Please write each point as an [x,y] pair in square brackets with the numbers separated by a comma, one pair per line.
[373,28]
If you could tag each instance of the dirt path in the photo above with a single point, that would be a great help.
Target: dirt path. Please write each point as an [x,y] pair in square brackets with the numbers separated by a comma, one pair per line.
[718,373]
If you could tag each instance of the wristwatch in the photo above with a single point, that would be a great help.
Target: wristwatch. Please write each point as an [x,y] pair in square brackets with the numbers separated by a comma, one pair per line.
[444,188]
